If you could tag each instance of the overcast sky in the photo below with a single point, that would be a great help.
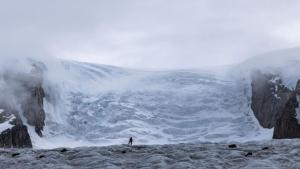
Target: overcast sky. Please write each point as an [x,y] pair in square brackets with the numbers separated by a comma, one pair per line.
[148,33]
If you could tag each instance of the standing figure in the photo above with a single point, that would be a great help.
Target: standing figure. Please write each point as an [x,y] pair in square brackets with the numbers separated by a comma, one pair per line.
[130,141]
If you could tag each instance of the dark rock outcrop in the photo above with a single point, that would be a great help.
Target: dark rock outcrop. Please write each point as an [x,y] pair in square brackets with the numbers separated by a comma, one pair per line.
[16,137]
[297,89]
[31,94]
[287,126]
[274,105]
[269,97]
[232,146]
[33,109]
[25,99]
[249,154]
[15,154]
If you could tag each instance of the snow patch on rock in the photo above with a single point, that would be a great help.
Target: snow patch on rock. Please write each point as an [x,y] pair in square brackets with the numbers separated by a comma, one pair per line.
[6,125]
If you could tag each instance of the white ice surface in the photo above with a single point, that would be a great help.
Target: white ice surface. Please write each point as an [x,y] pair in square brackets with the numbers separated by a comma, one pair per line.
[102,105]
[92,104]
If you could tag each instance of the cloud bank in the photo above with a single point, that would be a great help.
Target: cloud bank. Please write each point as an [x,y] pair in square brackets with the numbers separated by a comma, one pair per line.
[148,34]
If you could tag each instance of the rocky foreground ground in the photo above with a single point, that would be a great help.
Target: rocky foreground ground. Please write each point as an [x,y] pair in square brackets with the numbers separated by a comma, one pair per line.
[272,154]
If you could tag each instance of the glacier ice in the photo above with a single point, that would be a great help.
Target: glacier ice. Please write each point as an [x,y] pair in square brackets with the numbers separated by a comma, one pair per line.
[105,105]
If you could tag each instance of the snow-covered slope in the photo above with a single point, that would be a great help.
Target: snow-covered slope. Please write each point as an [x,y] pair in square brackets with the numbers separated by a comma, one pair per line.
[104,105]
[285,63]
[88,104]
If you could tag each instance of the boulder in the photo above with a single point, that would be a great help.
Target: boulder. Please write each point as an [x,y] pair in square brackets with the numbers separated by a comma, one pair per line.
[249,154]
[232,146]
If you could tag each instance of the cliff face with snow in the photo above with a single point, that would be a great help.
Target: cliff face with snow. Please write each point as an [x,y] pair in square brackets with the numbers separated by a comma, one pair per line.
[269,97]
[275,105]
[21,104]
[275,93]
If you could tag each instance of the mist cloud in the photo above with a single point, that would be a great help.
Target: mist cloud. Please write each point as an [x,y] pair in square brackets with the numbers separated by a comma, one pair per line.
[147,34]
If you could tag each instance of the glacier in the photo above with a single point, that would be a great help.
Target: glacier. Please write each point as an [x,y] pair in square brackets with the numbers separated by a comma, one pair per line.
[177,118]
[97,105]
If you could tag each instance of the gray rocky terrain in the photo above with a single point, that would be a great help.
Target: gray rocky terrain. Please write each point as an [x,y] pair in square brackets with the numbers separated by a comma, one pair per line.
[271,155]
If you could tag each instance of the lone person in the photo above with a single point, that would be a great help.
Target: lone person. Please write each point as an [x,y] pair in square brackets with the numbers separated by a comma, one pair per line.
[130,141]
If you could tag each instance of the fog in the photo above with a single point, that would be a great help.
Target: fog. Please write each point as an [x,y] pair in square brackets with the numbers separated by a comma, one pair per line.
[169,34]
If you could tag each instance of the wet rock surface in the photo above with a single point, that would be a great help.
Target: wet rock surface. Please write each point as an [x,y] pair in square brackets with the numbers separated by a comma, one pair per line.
[280,154]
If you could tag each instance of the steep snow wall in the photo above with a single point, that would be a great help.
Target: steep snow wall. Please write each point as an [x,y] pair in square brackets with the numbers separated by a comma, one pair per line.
[104,105]
[88,104]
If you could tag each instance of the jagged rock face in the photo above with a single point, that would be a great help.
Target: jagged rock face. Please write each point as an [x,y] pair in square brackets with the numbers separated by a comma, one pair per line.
[24,98]
[297,89]
[269,97]
[29,88]
[274,105]
[33,109]
[287,125]
[16,137]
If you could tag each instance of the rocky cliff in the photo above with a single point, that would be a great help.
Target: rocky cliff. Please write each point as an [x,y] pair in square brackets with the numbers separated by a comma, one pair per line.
[275,105]
[16,137]
[33,108]
[287,126]
[269,97]
[21,103]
